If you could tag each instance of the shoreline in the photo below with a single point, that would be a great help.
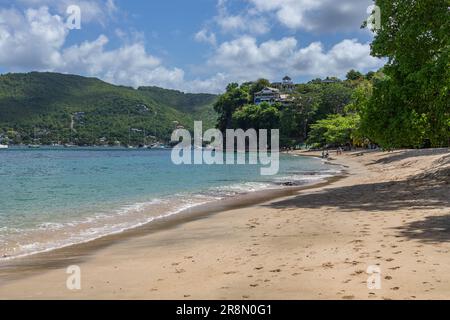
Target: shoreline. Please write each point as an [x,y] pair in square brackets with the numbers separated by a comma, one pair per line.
[175,204]
[13,268]
[391,210]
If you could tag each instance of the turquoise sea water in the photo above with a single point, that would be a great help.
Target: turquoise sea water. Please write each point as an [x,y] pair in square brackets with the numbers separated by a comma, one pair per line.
[55,197]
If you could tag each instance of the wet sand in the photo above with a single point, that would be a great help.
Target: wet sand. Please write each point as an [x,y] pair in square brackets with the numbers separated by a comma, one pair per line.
[391,211]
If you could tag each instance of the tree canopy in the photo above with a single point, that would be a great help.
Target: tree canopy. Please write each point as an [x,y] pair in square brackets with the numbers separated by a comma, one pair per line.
[410,107]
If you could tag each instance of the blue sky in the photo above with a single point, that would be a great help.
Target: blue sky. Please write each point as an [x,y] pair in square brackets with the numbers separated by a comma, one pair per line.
[195,46]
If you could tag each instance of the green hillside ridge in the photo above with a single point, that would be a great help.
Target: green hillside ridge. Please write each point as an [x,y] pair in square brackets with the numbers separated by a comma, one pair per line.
[43,107]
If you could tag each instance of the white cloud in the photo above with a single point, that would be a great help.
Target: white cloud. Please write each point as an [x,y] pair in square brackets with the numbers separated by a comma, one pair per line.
[91,10]
[242,23]
[345,55]
[30,40]
[316,15]
[129,64]
[245,21]
[205,36]
[35,40]
[245,59]
[213,84]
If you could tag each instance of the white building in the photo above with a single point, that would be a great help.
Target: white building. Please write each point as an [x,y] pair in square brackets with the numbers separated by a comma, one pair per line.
[271,96]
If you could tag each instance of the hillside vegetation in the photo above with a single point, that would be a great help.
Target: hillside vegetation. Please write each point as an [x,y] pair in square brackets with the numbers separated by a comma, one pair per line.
[49,108]
[405,104]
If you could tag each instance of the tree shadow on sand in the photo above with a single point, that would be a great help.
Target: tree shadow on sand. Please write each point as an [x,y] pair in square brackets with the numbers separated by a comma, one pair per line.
[385,196]
[402,155]
[432,229]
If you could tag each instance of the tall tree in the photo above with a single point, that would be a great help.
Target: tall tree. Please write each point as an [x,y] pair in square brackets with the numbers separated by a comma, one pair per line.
[257,86]
[354,75]
[234,98]
[411,106]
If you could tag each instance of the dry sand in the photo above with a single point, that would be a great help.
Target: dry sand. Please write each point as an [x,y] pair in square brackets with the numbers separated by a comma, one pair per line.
[391,211]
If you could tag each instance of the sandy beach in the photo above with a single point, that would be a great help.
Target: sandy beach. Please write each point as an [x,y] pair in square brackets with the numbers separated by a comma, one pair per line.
[391,211]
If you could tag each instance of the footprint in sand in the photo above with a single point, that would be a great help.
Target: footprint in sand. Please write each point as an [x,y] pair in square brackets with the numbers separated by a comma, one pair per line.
[353,263]
[348,297]
[347,281]
[327,265]
[394,268]
[357,272]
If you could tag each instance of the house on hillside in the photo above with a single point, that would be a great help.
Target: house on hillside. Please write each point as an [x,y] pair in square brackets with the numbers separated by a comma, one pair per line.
[330,80]
[287,85]
[271,96]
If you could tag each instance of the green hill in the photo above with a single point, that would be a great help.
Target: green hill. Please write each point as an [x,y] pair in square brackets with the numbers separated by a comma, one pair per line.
[198,105]
[50,107]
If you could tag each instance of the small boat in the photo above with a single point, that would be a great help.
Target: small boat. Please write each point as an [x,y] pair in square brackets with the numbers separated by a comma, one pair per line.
[4,146]
[69,145]
[158,146]
[34,146]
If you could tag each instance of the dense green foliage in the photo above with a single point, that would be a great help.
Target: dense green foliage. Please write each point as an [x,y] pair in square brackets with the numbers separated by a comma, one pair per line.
[411,106]
[405,104]
[335,130]
[198,105]
[310,103]
[261,116]
[40,107]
